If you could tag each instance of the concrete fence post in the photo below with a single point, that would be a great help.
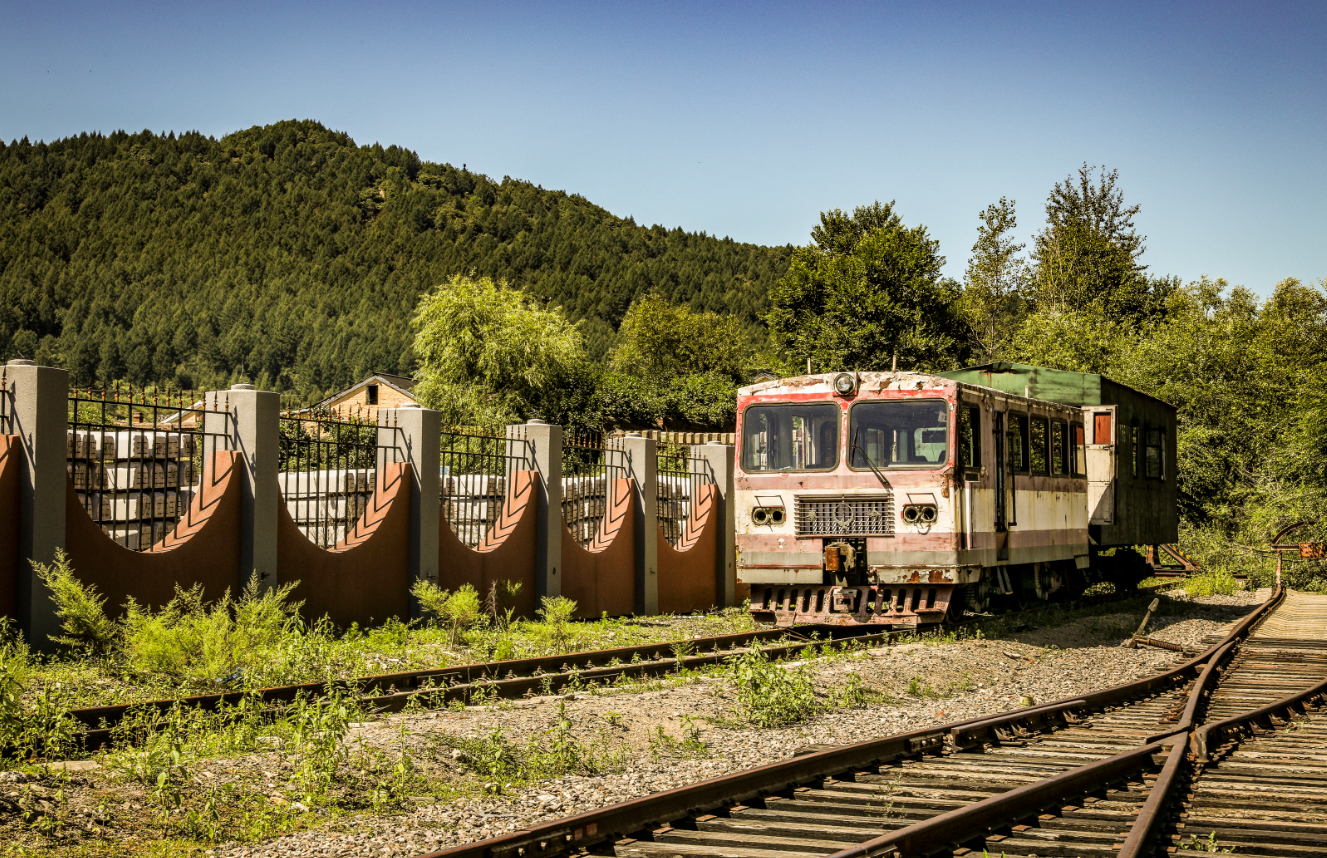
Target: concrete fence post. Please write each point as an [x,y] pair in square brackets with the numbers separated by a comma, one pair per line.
[416,433]
[254,429]
[719,457]
[643,468]
[544,446]
[40,417]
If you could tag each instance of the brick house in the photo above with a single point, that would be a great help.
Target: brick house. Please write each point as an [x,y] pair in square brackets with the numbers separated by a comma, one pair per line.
[380,390]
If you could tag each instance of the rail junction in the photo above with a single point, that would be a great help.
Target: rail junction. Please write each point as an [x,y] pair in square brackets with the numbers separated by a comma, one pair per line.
[1223,752]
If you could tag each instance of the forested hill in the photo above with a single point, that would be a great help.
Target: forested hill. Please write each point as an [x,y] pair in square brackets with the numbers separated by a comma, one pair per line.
[294,257]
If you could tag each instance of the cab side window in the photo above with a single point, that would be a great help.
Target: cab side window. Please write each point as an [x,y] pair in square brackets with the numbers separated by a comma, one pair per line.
[969,438]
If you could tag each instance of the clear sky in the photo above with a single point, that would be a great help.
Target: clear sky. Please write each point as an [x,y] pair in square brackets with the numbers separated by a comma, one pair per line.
[748,120]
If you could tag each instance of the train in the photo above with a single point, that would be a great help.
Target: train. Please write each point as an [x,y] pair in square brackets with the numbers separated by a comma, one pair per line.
[904,499]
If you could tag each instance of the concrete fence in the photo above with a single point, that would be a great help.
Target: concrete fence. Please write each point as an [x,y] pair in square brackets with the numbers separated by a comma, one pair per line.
[392,522]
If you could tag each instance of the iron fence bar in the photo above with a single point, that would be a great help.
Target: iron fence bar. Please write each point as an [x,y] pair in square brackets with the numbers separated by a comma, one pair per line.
[328,468]
[6,408]
[135,461]
[680,477]
[590,466]
[475,469]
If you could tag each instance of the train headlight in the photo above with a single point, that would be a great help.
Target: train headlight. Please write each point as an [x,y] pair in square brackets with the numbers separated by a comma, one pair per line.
[845,384]
[760,515]
[776,516]
[920,513]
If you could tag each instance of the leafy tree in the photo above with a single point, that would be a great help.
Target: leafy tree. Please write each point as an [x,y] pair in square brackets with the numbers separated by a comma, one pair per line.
[865,289]
[996,281]
[489,355]
[662,340]
[1089,252]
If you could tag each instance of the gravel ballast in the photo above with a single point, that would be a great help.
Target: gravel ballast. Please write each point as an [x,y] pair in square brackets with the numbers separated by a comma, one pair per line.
[918,684]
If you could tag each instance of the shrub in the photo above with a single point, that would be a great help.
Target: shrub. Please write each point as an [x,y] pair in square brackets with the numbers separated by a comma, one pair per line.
[769,695]
[456,610]
[1217,583]
[556,613]
[203,645]
[78,606]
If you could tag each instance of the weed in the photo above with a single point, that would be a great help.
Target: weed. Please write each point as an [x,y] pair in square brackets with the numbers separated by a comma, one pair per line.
[689,746]
[919,688]
[613,718]
[79,607]
[1211,844]
[1217,583]
[556,613]
[457,611]
[769,695]
[682,650]
[318,731]
[853,694]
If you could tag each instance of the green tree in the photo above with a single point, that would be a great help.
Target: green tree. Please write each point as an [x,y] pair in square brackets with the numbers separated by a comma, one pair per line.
[996,281]
[489,355]
[867,288]
[1089,252]
[659,339]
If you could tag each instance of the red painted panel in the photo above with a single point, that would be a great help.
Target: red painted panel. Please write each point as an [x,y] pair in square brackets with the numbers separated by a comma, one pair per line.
[10,514]
[688,573]
[507,552]
[203,549]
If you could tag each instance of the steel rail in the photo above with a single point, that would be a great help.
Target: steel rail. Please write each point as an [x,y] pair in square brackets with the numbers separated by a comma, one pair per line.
[961,825]
[586,829]
[509,678]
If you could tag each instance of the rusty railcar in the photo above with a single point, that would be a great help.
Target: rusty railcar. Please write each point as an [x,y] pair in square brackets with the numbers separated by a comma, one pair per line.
[899,499]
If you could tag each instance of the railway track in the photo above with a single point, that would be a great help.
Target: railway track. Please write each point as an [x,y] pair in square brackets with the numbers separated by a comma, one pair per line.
[515,678]
[1224,750]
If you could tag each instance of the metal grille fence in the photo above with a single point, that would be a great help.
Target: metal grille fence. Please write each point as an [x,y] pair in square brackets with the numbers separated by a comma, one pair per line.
[136,458]
[845,515]
[679,476]
[6,407]
[475,470]
[589,466]
[329,468]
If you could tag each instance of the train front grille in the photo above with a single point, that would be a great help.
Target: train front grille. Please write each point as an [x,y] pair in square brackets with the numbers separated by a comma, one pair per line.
[844,515]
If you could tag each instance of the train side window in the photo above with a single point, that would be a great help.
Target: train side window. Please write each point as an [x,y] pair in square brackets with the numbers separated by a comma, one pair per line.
[1079,462]
[969,439]
[1135,453]
[1016,443]
[1037,448]
[1059,456]
[1155,453]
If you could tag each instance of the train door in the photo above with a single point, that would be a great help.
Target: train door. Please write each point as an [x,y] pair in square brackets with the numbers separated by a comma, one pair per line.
[1101,465]
[1003,486]
[1001,475]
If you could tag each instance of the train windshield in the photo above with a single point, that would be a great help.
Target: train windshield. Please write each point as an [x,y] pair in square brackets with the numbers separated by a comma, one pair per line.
[899,434]
[790,438]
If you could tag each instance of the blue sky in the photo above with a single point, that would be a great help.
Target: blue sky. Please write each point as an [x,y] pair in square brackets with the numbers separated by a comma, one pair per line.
[747,120]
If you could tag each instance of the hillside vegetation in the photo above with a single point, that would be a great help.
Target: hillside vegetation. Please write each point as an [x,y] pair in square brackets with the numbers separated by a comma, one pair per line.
[293,257]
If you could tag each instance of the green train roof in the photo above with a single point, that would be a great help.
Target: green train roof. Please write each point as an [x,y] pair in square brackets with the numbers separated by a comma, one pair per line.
[1054,385]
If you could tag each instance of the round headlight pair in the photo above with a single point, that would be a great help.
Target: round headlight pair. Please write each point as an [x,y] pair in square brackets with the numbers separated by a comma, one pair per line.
[767,515]
[920,513]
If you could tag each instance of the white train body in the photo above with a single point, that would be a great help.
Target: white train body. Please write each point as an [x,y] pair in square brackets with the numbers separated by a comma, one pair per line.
[900,497]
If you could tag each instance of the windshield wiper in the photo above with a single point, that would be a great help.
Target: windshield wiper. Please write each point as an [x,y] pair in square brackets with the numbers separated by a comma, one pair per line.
[853,448]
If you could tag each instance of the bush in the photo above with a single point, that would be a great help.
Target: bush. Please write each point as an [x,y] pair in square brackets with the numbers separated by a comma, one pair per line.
[457,611]
[79,607]
[1220,583]
[208,646]
[770,695]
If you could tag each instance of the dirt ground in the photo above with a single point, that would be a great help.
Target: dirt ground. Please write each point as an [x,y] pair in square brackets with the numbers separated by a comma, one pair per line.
[656,736]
